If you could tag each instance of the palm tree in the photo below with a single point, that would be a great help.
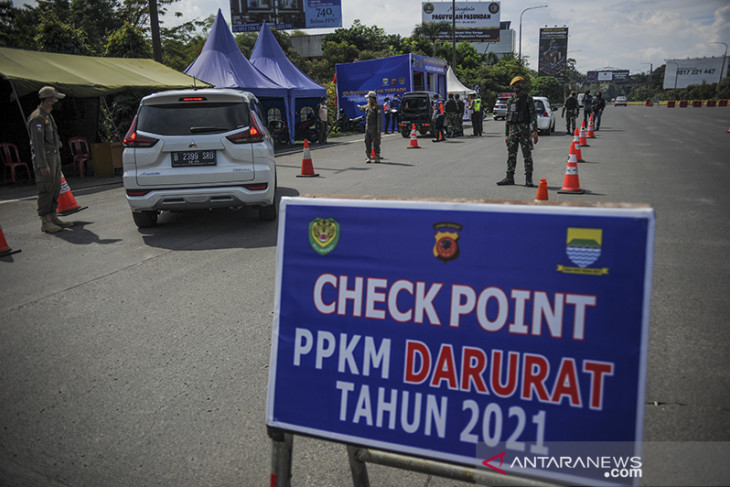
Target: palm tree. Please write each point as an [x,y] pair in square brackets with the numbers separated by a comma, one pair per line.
[431,31]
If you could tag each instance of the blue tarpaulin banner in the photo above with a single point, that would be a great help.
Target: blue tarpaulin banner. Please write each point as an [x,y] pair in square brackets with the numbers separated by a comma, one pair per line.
[478,333]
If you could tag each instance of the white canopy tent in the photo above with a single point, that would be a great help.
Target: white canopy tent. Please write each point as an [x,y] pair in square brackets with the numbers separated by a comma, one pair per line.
[453,85]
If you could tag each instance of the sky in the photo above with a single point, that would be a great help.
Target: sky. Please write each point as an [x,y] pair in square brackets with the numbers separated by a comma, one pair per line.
[637,35]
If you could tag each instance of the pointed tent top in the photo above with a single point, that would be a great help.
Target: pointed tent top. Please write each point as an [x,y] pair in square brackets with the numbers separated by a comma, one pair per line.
[222,64]
[269,58]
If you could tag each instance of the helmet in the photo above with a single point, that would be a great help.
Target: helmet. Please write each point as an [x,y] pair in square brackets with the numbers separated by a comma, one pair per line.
[516,79]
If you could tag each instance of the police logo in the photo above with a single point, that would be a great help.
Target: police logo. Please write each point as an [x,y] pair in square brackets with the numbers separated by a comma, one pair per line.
[324,233]
[446,247]
[583,247]
[493,8]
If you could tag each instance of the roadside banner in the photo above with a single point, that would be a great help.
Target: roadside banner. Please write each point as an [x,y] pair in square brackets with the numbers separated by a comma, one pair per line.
[508,337]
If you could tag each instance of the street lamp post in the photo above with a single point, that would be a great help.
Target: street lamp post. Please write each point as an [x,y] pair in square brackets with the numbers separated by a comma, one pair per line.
[528,8]
[724,56]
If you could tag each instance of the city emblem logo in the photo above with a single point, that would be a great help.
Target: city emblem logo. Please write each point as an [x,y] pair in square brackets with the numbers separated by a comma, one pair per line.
[428,8]
[447,241]
[324,233]
[583,246]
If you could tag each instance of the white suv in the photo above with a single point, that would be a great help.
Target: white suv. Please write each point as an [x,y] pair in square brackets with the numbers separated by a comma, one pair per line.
[197,149]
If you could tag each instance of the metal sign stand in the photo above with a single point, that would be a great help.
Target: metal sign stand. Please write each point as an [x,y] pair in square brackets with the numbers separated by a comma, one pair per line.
[281,465]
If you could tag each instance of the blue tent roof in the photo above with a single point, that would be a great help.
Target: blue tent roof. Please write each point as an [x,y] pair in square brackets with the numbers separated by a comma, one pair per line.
[269,58]
[222,64]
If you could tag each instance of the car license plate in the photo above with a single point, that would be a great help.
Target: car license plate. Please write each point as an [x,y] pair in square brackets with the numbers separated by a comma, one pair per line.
[193,158]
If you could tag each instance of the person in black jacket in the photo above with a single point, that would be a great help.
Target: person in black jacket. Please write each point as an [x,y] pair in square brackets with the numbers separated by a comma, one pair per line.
[570,112]
[598,105]
[587,106]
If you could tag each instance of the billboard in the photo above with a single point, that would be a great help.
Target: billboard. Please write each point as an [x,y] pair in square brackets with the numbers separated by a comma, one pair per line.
[464,332]
[248,15]
[680,73]
[614,75]
[553,52]
[475,21]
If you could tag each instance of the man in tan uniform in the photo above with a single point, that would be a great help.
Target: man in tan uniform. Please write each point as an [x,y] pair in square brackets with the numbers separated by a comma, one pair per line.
[45,145]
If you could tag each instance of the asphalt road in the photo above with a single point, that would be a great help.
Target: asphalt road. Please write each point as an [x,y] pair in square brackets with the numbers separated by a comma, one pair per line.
[141,358]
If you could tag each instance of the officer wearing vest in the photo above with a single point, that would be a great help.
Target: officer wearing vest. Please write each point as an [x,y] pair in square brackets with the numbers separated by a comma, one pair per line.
[44,146]
[475,106]
[520,131]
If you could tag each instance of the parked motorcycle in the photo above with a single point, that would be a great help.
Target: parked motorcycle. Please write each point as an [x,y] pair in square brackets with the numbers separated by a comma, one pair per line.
[279,132]
[307,129]
[346,124]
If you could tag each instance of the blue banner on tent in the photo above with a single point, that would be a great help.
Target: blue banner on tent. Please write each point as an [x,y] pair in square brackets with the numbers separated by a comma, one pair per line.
[464,332]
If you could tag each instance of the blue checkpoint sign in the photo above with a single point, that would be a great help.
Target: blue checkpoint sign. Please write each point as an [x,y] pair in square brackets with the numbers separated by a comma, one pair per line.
[482,334]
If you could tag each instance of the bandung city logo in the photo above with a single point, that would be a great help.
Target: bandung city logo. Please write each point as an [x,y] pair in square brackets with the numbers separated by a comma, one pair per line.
[446,247]
[324,233]
[583,246]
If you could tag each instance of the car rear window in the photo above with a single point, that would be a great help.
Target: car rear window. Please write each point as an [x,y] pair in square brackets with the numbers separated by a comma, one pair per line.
[191,118]
[415,103]
[539,106]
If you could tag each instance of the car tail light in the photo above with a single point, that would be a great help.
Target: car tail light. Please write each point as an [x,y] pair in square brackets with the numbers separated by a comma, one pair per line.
[256,187]
[133,139]
[136,192]
[252,134]
[545,114]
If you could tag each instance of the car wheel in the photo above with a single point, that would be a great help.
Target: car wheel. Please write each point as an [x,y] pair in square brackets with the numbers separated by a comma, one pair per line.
[405,133]
[144,219]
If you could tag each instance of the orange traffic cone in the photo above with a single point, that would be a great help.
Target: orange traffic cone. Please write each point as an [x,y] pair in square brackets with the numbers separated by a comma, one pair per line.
[307,167]
[4,249]
[576,144]
[542,194]
[66,201]
[372,150]
[414,138]
[583,140]
[571,183]
[591,134]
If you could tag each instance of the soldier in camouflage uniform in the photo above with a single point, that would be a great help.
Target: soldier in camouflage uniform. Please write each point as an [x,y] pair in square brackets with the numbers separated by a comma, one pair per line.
[520,131]
[571,107]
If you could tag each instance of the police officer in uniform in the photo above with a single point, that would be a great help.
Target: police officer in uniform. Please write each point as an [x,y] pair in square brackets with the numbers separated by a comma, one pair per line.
[44,146]
[475,106]
[373,126]
[520,131]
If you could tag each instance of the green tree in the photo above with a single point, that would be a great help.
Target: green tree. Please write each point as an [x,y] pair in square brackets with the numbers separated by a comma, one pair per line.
[548,86]
[128,42]
[431,31]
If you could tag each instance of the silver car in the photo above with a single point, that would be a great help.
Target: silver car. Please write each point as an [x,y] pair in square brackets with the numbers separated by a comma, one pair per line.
[197,149]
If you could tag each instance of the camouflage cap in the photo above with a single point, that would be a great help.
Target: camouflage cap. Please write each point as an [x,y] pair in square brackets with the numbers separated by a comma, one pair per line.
[50,92]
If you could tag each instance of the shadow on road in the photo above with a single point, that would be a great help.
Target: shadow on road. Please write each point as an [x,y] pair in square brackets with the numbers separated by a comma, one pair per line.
[216,229]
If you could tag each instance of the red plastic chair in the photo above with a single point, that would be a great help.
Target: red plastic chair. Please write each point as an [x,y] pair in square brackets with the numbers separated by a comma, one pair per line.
[81,154]
[11,160]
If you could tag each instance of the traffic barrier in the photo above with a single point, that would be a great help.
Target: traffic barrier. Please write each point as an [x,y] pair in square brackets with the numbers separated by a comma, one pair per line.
[307,166]
[414,138]
[582,137]
[649,103]
[697,103]
[722,103]
[571,182]
[542,193]
[591,134]
[711,103]
[683,104]
[66,202]
[5,250]
[671,104]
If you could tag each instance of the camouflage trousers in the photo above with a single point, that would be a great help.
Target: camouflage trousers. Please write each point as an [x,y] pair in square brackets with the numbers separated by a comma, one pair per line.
[452,122]
[570,117]
[519,136]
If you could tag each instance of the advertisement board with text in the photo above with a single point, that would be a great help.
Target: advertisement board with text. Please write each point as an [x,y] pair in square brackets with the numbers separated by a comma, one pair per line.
[681,73]
[475,21]
[248,15]
[463,332]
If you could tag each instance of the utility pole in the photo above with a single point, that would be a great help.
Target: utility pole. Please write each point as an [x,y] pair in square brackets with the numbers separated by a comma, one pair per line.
[155,30]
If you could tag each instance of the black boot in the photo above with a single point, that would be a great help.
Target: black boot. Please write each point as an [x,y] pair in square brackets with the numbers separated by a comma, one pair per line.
[528,180]
[509,180]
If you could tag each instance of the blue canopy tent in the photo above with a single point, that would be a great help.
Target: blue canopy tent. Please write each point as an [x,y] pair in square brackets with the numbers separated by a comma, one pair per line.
[222,64]
[269,58]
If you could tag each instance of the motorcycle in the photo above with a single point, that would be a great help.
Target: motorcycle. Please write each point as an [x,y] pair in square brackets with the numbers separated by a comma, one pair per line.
[279,132]
[346,124]
[307,129]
